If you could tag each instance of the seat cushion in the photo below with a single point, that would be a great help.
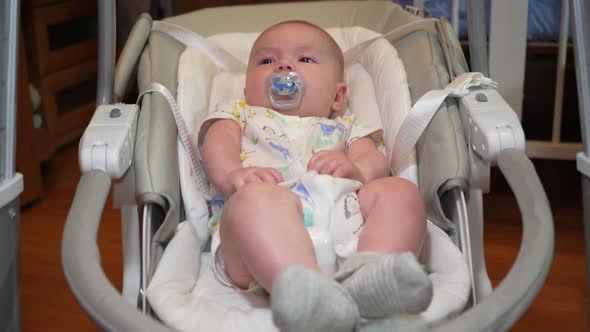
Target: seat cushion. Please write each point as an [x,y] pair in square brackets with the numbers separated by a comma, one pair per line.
[186,295]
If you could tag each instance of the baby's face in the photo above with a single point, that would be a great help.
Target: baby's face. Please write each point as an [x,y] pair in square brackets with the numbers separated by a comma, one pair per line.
[296,47]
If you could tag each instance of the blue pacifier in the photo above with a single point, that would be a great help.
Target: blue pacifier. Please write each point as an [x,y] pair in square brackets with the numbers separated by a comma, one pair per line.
[285,90]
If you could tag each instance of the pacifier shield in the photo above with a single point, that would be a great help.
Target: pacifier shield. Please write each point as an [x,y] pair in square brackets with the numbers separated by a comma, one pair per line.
[285,90]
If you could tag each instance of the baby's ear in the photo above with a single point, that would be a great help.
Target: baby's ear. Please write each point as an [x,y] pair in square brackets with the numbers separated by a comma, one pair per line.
[339,104]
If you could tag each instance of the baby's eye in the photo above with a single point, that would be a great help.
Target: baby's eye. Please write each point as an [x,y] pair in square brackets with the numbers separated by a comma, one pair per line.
[307,60]
[265,61]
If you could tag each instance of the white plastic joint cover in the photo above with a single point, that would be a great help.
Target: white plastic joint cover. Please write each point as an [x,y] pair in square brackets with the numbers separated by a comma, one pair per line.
[493,125]
[108,141]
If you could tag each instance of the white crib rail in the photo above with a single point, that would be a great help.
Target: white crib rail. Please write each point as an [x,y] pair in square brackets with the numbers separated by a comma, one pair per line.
[508,41]
[559,83]
[556,149]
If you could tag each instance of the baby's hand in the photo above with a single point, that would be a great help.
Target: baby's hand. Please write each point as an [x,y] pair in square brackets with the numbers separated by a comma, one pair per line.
[244,175]
[335,163]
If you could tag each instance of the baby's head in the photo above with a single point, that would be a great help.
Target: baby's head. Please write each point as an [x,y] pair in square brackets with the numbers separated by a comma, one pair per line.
[304,48]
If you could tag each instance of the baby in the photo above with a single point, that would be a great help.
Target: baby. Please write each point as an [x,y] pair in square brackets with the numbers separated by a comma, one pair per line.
[275,156]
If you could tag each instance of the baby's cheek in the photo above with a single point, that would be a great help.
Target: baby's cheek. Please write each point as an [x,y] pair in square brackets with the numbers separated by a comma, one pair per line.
[254,87]
[254,96]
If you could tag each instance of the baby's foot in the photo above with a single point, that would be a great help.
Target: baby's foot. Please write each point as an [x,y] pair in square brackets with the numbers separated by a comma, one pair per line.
[383,285]
[303,300]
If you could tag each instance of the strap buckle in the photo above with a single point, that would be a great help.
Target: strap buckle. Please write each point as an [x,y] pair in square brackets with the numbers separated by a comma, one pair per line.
[460,87]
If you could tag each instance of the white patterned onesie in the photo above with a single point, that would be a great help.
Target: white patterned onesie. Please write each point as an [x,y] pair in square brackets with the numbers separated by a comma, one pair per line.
[287,143]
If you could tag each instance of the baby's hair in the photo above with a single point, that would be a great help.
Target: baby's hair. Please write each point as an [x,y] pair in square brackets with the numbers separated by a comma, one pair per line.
[331,42]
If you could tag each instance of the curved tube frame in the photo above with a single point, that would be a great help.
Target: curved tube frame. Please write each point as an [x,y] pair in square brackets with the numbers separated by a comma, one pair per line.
[81,261]
[517,290]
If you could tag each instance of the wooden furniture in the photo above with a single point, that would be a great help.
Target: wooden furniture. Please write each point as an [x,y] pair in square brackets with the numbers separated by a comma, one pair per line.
[61,44]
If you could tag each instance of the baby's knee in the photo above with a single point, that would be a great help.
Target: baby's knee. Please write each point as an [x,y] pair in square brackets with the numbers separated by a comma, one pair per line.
[394,186]
[394,189]
[257,198]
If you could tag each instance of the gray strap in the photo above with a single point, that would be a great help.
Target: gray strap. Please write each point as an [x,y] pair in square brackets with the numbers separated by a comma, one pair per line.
[221,57]
[424,110]
[352,54]
[228,62]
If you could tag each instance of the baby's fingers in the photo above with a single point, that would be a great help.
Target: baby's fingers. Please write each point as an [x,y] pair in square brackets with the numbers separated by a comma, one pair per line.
[317,161]
[276,175]
[328,166]
[266,175]
[342,170]
[252,177]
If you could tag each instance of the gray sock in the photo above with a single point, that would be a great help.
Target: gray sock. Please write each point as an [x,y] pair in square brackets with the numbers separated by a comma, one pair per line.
[385,284]
[303,300]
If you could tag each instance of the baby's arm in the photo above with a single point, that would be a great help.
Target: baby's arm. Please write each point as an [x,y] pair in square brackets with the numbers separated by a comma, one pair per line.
[221,159]
[371,162]
[362,162]
[221,152]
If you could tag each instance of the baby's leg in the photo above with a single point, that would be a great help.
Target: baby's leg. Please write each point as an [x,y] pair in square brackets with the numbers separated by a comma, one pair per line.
[263,237]
[385,276]
[395,218]
[262,232]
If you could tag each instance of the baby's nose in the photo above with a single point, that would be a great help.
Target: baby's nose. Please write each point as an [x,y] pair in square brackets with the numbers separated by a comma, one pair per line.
[285,67]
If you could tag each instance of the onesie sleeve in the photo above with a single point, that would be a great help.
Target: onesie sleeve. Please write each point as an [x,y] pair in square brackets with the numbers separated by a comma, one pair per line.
[233,110]
[360,129]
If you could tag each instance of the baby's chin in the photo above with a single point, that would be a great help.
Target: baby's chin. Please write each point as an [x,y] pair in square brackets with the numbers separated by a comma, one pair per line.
[293,112]
[267,104]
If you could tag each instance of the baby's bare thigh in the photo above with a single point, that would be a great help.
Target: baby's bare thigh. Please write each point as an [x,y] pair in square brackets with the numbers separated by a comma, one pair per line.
[395,217]
[253,221]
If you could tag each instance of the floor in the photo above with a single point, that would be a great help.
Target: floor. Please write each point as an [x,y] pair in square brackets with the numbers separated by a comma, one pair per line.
[562,304]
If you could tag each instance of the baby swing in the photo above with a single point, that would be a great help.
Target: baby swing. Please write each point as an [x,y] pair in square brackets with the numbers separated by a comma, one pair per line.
[466,133]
